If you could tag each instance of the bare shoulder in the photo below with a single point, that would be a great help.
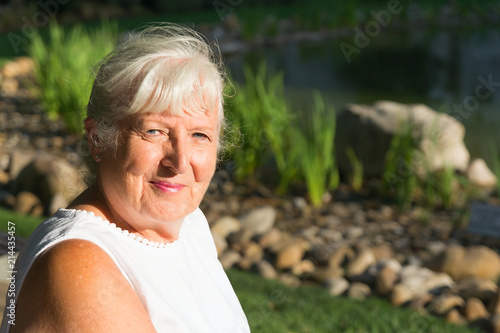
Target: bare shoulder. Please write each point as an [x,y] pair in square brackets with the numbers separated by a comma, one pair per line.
[76,287]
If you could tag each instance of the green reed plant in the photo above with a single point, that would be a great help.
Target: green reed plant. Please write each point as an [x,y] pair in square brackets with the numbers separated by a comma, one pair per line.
[408,177]
[440,186]
[261,114]
[496,165]
[302,149]
[356,176]
[313,140]
[446,179]
[400,179]
[63,67]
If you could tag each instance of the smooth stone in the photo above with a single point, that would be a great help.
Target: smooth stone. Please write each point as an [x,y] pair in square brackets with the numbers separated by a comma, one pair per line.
[337,286]
[259,220]
[358,290]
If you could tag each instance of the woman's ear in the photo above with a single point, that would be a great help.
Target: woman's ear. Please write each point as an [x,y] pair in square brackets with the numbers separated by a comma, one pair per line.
[92,138]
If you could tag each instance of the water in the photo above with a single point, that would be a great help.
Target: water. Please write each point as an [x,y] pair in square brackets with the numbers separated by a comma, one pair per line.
[445,69]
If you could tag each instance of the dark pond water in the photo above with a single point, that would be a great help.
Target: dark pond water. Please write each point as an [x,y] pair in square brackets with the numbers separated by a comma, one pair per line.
[454,70]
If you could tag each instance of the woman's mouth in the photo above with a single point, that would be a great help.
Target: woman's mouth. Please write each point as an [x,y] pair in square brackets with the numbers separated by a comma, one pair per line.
[168,187]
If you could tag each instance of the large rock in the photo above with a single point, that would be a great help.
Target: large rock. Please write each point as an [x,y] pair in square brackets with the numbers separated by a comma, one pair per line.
[475,309]
[417,281]
[358,290]
[494,304]
[453,316]
[442,304]
[47,176]
[479,174]
[9,86]
[401,294]
[291,254]
[253,252]
[229,258]
[20,66]
[226,226]
[419,303]
[478,261]
[340,255]
[386,279]
[474,287]
[495,323]
[272,237]
[28,204]
[383,252]
[337,285]
[18,160]
[7,199]
[368,130]
[323,274]
[266,270]
[4,161]
[259,220]
[220,243]
[304,267]
[361,263]
[4,178]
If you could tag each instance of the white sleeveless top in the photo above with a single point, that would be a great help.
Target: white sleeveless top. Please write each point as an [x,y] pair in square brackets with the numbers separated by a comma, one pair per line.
[182,285]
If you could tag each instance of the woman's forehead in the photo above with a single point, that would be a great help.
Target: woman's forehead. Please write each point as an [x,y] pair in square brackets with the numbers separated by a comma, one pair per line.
[206,118]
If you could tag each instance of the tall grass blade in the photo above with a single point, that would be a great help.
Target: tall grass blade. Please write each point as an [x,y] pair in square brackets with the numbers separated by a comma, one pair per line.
[314,145]
[356,176]
[63,67]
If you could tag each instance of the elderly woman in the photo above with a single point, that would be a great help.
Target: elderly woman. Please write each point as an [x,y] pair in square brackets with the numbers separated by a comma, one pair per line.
[133,253]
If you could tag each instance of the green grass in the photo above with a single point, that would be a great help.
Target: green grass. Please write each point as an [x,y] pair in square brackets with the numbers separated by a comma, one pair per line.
[260,113]
[313,149]
[356,176]
[272,307]
[63,68]
[400,180]
[24,224]
[295,150]
[409,179]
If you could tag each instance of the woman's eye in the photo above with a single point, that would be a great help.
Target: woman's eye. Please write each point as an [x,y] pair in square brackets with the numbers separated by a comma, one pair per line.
[200,136]
[152,132]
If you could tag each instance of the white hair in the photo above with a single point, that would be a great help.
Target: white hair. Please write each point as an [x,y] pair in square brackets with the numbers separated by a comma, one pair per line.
[163,68]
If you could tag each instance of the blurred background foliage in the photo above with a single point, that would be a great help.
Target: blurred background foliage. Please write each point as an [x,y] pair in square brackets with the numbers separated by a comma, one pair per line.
[287,145]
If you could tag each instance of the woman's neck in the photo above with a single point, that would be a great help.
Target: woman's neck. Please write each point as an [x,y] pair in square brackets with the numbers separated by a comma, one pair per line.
[94,200]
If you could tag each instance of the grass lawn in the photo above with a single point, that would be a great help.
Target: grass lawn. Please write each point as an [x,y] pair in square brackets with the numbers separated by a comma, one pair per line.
[272,307]
[24,224]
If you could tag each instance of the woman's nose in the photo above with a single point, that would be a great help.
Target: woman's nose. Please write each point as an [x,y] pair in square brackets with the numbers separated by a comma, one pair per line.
[176,157]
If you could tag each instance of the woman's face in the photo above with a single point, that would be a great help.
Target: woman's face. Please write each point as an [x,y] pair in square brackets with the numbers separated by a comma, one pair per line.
[162,168]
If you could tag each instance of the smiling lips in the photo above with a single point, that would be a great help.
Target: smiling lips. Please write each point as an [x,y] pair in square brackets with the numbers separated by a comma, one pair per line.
[168,187]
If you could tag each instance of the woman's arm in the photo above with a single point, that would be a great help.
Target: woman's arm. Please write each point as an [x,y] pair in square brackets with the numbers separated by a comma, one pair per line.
[76,287]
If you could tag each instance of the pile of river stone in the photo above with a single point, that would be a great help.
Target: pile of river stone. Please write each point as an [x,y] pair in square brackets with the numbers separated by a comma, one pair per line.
[356,250]
[356,246]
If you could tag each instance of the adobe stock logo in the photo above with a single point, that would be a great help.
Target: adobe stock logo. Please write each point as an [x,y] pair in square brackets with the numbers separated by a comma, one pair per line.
[371,29]
[41,18]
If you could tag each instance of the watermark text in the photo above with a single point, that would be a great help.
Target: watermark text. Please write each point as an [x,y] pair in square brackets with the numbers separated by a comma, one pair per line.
[10,306]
